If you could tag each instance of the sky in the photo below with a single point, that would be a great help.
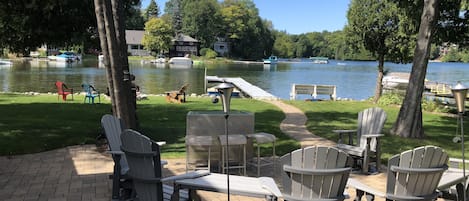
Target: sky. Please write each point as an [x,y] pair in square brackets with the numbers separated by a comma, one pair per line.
[297,16]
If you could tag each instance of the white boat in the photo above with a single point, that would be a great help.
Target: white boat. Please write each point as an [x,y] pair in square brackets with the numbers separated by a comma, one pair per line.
[396,80]
[271,60]
[180,62]
[320,60]
[5,63]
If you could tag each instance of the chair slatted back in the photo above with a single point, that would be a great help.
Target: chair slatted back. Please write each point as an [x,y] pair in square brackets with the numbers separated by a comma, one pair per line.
[113,128]
[416,173]
[370,121]
[315,173]
[60,87]
[144,160]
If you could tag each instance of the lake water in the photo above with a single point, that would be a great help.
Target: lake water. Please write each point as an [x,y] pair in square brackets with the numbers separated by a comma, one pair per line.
[355,80]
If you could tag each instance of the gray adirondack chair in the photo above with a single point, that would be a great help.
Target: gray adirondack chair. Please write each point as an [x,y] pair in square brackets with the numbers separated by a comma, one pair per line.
[143,156]
[367,148]
[113,128]
[121,183]
[412,175]
[315,173]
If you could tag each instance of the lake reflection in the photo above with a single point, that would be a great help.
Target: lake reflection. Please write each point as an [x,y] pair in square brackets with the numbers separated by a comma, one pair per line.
[353,79]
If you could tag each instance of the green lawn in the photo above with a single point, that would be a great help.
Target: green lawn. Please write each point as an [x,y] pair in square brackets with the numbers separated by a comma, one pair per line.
[325,116]
[30,124]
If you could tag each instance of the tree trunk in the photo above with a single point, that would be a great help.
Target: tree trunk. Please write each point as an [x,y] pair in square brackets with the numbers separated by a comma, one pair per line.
[409,121]
[379,79]
[119,70]
[104,49]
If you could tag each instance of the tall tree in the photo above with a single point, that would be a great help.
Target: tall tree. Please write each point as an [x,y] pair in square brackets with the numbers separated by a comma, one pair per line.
[409,120]
[374,24]
[173,8]
[158,35]
[248,34]
[152,10]
[202,21]
[110,19]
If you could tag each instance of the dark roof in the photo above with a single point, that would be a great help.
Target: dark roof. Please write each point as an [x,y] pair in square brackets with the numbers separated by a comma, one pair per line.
[185,38]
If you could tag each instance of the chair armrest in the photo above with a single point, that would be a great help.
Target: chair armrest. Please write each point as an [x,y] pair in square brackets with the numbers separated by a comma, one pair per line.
[116,152]
[269,184]
[344,131]
[190,175]
[289,168]
[418,170]
[349,132]
[373,135]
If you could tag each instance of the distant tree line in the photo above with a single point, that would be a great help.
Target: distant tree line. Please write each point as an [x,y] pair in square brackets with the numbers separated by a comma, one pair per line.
[26,25]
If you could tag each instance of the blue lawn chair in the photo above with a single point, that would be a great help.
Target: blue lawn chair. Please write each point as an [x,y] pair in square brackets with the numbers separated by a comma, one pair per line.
[91,93]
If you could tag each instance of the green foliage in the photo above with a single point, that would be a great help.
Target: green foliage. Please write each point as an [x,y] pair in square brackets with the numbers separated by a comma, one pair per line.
[152,10]
[381,28]
[451,56]
[208,53]
[392,98]
[158,35]
[202,20]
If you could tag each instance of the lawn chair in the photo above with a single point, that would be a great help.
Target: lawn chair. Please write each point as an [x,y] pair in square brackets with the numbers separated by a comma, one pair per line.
[315,173]
[121,183]
[90,93]
[412,175]
[143,156]
[367,147]
[63,90]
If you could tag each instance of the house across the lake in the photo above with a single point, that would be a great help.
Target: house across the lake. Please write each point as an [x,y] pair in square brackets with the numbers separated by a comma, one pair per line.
[184,45]
[134,43]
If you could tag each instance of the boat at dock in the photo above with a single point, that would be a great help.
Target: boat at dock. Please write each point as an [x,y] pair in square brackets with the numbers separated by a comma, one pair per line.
[320,60]
[5,63]
[271,60]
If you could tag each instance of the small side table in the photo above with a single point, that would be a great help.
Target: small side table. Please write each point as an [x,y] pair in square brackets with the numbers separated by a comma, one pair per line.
[199,141]
[233,140]
[262,138]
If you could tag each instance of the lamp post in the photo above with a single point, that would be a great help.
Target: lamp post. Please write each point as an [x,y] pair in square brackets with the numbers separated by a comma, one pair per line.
[225,89]
[459,93]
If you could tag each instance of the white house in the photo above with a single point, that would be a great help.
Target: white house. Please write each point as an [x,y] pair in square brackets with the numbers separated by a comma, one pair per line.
[134,43]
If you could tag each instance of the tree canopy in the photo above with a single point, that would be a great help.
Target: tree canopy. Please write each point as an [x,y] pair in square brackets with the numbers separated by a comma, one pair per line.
[158,35]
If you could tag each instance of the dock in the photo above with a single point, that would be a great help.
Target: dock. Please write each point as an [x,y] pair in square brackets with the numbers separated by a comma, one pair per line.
[244,87]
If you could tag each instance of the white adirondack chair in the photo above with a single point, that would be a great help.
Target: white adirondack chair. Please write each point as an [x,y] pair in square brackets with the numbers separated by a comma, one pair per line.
[315,173]
[367,148]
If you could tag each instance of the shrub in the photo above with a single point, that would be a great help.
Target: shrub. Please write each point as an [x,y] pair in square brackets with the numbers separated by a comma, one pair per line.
[392,98]
[208,53]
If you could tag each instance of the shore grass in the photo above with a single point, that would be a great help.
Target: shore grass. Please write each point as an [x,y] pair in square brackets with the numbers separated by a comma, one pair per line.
[325,116]
[31,124]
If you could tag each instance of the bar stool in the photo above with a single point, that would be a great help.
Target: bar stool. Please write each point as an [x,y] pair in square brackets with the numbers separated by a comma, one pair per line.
[201,142]
[261,138]
[233,140]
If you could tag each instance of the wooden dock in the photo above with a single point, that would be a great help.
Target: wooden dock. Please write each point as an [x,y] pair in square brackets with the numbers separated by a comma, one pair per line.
[244,87]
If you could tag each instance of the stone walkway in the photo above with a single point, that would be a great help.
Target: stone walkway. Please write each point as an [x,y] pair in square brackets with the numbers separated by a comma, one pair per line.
[81,173]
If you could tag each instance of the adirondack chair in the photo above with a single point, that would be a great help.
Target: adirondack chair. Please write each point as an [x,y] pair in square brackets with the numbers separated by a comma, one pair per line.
[63,90]
[143,156]
[412,175]
[90,93]
[121,183]
[178,96]
[368,133]
[315,173]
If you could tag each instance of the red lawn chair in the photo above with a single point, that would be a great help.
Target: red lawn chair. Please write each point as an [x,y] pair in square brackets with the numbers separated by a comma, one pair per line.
[63,90]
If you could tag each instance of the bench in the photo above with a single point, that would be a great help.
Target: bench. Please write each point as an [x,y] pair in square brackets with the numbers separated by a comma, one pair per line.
[314,90]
